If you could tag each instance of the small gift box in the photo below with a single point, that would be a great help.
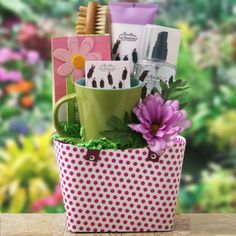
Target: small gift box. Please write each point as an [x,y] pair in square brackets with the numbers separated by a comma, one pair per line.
[119,190]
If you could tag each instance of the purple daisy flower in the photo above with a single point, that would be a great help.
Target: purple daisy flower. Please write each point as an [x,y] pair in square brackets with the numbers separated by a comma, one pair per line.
[160,122]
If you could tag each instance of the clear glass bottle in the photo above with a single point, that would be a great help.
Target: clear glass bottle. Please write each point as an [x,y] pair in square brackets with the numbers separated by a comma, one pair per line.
[158,65]
[151,72]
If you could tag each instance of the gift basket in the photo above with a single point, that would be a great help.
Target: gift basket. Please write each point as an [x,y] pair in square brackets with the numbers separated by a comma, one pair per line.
[118,115]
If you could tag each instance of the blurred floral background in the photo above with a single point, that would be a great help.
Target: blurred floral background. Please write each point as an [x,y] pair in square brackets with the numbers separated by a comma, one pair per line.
[28,173]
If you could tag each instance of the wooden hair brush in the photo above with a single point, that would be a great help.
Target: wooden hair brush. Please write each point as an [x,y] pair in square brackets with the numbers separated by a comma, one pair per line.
[92,19]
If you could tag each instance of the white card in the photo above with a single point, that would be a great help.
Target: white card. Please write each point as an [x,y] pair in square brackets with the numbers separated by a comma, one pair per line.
[107,74]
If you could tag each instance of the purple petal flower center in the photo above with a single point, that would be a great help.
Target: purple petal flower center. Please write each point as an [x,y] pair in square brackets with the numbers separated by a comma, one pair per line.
[155,127]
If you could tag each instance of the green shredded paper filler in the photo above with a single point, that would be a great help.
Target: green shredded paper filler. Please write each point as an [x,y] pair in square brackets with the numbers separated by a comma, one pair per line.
[75,137]
[124,140]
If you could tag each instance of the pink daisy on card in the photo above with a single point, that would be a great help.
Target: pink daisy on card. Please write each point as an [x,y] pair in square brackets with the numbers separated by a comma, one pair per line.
[75,57]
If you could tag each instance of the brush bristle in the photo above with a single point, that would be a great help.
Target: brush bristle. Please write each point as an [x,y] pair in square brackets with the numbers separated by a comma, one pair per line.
[101,20]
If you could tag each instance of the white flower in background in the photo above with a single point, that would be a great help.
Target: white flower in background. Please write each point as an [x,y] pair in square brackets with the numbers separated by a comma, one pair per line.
[211,48]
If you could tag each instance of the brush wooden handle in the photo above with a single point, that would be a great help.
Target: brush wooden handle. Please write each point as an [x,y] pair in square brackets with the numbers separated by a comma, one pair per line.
[90,18]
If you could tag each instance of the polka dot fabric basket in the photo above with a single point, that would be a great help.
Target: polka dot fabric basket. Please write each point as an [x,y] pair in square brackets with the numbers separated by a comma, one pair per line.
[119,190]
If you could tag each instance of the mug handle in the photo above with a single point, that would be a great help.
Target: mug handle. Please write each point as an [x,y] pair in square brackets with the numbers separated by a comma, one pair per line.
[58,104]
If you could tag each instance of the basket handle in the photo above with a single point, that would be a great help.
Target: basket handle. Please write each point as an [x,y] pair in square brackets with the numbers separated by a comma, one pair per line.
[152,156]
[92,155]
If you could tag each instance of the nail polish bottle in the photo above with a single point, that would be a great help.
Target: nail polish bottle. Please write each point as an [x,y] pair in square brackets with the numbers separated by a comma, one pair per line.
[159,56]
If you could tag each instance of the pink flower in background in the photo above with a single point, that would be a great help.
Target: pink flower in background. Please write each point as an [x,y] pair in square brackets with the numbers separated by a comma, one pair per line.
[160,122]
[13,76]
[6,54]
[32,37]
[3,74]
[27,30]
[38,205]
[75,57]
[53,200]
[32,57]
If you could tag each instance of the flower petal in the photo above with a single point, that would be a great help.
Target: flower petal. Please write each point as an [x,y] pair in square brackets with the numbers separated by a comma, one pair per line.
[86,45]
[173,103]
[143,118]
[158,147]
[148,136]
[94,57]
[62,54]
[73,45]
[139,128]
[154,104]
[182,122]
[65,69]
[170,116]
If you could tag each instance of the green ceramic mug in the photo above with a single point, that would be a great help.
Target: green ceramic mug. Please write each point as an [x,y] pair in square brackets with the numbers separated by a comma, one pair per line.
[96,106]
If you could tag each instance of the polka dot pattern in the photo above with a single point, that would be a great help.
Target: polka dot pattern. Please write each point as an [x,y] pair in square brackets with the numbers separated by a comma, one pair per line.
[122,191]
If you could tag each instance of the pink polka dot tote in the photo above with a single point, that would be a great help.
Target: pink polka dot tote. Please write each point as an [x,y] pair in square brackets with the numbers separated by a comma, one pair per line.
[119,190]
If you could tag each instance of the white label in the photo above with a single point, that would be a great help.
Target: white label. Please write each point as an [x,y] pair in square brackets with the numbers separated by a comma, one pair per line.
[126,40]
[107,74]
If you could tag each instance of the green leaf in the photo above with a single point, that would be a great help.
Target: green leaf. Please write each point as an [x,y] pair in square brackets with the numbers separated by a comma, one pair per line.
[171,89]
[134,118]
[181,89]
[138,140]
[183,105]
[122,138]
[19,8]
[164,88]
[121,134]
[171,79]
[177,96]
[116,124]
[126,118]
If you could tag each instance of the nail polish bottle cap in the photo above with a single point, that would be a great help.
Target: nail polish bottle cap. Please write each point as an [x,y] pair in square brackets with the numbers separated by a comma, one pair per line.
[160,49]
[160,43]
